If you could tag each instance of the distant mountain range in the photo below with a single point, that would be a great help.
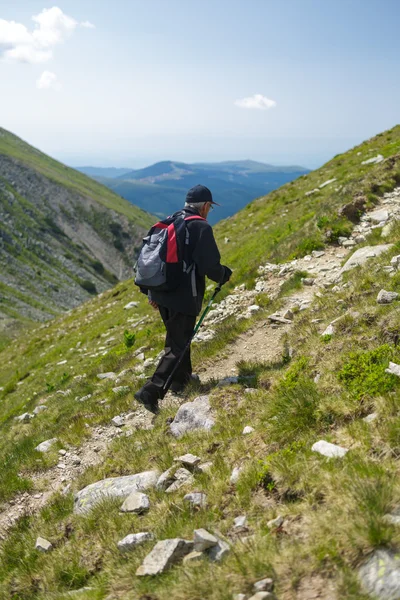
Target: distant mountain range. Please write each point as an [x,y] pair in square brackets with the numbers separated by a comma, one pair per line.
[161,188]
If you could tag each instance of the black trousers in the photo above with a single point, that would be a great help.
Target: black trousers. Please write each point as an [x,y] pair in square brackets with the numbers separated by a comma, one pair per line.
[179,330]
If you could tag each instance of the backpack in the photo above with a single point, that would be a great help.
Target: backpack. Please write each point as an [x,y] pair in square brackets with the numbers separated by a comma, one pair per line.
[163,259]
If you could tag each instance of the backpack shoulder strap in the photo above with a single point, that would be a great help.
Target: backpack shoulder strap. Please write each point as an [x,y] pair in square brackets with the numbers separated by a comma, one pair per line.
[195,217]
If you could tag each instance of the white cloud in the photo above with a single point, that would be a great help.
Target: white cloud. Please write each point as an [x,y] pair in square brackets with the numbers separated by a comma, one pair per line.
[52,27]
[258,101]
[88,25]
[48,81]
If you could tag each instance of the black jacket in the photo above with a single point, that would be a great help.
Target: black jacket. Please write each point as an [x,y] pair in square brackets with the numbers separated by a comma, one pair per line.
[205,255]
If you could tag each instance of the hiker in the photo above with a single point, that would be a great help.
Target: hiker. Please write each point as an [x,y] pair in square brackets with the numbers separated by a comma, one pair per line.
[180,306]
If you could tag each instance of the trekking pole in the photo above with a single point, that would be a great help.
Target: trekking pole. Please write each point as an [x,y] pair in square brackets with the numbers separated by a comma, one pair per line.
[195,330]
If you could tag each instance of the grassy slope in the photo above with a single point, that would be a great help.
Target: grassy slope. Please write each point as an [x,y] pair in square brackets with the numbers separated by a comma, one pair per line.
[334,509]
[16,148]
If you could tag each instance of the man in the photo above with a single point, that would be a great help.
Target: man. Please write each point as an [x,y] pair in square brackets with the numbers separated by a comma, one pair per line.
[179,308]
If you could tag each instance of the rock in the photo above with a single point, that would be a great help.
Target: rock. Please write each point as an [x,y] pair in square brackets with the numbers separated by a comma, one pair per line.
[45,446]
[136,502]
[240,522]
[385,297]
[24,418]
[393,369]
[165,479]
[118,421]
[181,477]
[247,430]
[278,319]
[140,356]
[275,523]
[387,229]
[328,449]
[373,161]
[327,183]
[370,418]
[288,315]
[317,253]
[227,381]
[188,460]
[131,305]
[380,575]
[109,375]
[193,415]
[84,398]
[203,540]
[205,467]
[329,330]
[219,551]
[193,557]
[253,309]
[264,585]
[62,452]
[349,243]
[378,216]
[361,256]
[234,478]
[43,545]
[196,499]
[132,540]
[395,261]
[164,555]
[39,409]
[311,192]
[113,487]
[250,390]
[149,362]
[308,281]
[263,596]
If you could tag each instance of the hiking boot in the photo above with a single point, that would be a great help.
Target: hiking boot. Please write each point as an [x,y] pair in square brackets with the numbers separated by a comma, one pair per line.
[145,398]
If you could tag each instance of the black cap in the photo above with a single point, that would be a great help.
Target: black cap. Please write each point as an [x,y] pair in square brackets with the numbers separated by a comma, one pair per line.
[199,193]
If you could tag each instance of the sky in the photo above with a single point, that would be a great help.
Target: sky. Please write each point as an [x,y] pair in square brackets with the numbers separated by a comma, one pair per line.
[130,82]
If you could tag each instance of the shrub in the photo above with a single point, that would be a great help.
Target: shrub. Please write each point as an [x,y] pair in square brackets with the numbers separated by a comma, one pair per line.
[98,266]
[129,339]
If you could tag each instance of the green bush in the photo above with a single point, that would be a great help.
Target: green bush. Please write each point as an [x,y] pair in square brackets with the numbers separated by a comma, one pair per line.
[363,374]
[129,339]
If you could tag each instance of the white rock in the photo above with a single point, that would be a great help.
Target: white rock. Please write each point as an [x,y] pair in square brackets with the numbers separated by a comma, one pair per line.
[228,381]
[247,430]
[118,421]
[113,487]
[24,418]
[192,416]
[240,522]
[43,545]
[378,215]
[203,540]
[385,297]
[109,375]
[395,261]
[196,499]
[329,330]
[234,478]
[393,369]
[373,161]
[136,502]
[264,585]
[165,479]
[45,446]
[327,183]
[370,418]
[361,256]
[132,540]
[328,449]
[39,409]
[392,519]
[275,523]
[164,555]
[205,467]
[254,308]
[219,551]
[188,460]
[181,477]
[131,305]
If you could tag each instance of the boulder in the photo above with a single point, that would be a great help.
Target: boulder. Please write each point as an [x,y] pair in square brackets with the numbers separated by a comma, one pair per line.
[164,555]
[219,551]
[361,256]
[136,502]
[191,416]
[181,477]
[328,449]
[203,540]
[165,479]
[385,297]
[113,487]
[132,540]
[393,369]
[373,161]
[45,446]
[380,575]
[240,522]
[196,499]
[188,460]
[378,216]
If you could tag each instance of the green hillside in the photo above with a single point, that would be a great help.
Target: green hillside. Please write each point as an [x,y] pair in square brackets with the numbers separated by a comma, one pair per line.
[306,385]
[63,236]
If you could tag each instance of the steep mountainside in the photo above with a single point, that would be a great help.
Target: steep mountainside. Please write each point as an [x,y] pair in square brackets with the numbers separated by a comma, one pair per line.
[62,235]
[294,467]
[161,188]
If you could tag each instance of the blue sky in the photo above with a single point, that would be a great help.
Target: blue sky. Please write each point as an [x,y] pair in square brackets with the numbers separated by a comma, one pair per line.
[129,82]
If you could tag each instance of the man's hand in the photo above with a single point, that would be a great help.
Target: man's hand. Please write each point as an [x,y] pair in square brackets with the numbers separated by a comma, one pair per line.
[153,304]
[227,275]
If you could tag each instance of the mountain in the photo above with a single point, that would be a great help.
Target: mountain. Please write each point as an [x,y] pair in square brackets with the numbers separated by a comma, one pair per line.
[296,474]
[161,188]
[63,236]
[108,172]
